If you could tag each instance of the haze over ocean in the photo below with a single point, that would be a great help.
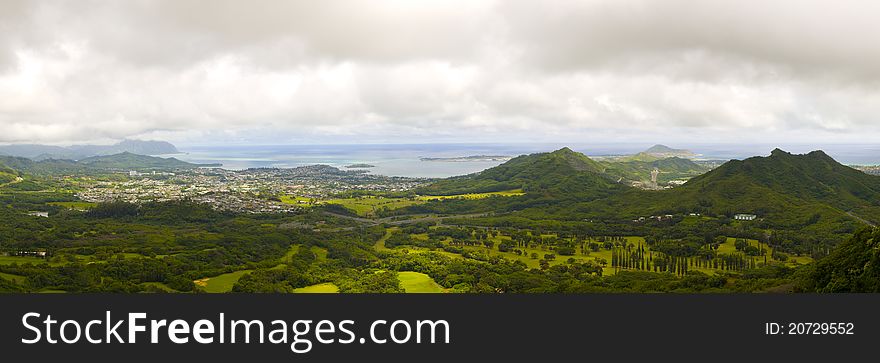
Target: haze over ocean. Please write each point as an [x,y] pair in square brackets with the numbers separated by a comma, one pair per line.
[404,159]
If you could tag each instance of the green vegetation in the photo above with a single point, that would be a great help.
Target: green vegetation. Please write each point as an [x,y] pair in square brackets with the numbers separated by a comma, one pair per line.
[9,260]
[221,283]
[14,278]
[415,282]
[301,201]
[853,267]
[129,161]
[672,168]
[505,193]
[560,171]
[93,165]
[74,205]
[325,288]
[370,205]
[541,223]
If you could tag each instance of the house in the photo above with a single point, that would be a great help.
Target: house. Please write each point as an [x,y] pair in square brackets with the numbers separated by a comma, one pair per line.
[745,217]
[38,214]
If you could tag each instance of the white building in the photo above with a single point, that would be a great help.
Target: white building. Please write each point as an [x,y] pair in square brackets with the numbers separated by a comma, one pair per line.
[745,217]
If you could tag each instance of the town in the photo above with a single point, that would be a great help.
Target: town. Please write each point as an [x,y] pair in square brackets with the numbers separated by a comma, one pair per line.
[248,191]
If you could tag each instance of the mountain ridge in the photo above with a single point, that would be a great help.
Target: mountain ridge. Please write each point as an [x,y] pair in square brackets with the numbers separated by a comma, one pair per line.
[555,172]
[118,162]
[77,152]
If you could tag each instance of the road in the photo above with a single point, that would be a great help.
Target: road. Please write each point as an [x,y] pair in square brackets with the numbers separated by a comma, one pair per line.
[18,179]
[860,219]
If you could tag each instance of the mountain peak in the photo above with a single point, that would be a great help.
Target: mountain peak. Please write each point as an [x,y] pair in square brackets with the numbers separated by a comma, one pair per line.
[660,150]
[814,176]
[564,150]
[779,152]
[819,154]
[563,171]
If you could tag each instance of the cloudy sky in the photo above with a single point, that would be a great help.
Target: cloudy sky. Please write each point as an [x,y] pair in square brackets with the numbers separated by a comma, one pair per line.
[264,72]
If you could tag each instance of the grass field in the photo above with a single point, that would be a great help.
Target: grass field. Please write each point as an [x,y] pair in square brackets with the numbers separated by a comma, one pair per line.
[380,244]
[8,260]
[320,253]
[730,247]
[367,206]
[14,278]
[506,193]
[160,286]
[534,262]
[300,201]
[325,288]
[416,282]
[363,206]
[290,253]
[221,283]
[725,248]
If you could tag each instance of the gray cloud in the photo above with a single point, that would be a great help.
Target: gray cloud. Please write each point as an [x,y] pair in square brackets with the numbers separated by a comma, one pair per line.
[347,71]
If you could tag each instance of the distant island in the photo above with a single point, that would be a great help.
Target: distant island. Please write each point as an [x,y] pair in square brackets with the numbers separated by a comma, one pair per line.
[470,158]
[654,153]
[360,166]
[664,151]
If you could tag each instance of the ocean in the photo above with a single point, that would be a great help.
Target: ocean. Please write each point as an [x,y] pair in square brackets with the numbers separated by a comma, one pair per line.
[405,159]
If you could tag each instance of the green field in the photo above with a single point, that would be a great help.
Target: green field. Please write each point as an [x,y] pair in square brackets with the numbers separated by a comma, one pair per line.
[221,283]
[730,247]
[416,282]
[506,193]
[367,206]
[603,254]
[320,253]
[14,278]
[8,260]
[159,286]
[380,244]
[325,288]
[363,206]
[300,201]
[290,253]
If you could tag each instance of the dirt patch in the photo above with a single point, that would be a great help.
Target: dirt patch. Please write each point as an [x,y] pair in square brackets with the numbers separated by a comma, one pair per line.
[202,282]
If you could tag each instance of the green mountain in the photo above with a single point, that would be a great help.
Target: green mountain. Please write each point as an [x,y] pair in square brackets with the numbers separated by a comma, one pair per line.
[854,266]
[118,162]
[813,177]
[129,161]
[565,170]
[559,172]
[7,174]
[666,151]
[805,202]
[44,167]
[810,195]
[77,152]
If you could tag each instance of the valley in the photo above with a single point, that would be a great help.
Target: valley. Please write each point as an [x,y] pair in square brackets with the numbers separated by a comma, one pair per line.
[546,222]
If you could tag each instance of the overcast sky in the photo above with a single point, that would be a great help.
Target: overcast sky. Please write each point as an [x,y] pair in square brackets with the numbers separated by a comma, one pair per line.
[268,72]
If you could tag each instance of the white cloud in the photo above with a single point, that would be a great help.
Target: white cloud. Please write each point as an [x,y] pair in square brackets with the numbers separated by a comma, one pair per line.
[404,71]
